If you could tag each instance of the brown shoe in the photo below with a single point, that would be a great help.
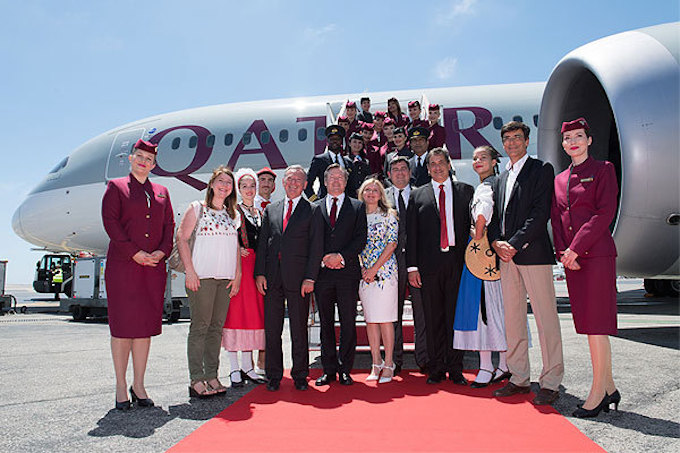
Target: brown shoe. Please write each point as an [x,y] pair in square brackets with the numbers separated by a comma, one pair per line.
[511,389]
[546,397]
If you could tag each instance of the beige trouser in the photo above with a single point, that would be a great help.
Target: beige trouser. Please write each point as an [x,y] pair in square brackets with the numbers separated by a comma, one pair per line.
[517,281]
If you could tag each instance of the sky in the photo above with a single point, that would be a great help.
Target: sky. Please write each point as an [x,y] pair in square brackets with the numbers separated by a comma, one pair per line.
[71,70]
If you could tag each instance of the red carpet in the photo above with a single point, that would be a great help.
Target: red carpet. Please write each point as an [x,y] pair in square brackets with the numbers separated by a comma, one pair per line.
[404,415]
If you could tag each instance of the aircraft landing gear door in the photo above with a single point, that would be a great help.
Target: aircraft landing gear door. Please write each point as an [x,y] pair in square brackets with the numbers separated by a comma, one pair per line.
[118,164]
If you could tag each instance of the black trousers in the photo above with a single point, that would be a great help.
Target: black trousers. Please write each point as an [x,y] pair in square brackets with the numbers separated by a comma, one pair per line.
[440,293]
[298,310]
[344,293]
[418,318]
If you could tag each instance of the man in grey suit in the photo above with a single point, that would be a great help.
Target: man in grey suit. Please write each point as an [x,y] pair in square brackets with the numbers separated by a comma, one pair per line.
[399,173]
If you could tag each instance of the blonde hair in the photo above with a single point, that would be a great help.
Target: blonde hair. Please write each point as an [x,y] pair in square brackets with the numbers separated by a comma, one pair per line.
[383,205]
[230,201]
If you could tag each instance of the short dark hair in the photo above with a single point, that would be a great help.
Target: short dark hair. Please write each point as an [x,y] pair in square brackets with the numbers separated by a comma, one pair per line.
[437,151]
[332,167]
[515,126]
[364,99]
[398,159]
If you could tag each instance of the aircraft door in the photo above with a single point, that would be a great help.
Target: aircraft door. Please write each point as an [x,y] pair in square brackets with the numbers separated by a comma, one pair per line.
[118,164]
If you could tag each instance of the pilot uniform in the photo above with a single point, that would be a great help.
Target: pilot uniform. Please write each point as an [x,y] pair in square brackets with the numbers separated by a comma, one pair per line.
[583,207]
[136,217]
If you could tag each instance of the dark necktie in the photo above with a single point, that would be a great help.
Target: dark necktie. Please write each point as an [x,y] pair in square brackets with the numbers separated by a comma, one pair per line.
[420,163]
[334,211]
[288,214]
[402,211]
[443,230]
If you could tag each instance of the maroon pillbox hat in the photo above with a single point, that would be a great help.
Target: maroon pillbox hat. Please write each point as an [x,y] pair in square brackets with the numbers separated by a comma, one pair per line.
[579,123]
[343,118]
[266,171]
[380,114]
[433,107]
[351,104]
[388,121]
[366,126]
[413,104]
[149,147]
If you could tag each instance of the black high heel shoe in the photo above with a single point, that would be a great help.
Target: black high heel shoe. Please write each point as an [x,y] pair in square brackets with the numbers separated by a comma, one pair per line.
[615,398]
[123,405]
[141,402]
[589,413]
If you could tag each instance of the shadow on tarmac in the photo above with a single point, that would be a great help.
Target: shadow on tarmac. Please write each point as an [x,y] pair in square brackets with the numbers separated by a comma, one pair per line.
[136,423]
[666,337]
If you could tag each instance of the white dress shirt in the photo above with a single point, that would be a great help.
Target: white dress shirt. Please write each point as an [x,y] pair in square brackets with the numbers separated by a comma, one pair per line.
[285,205]
[329,203]
[513,172]
[336,157]
[405,194]
[448,191]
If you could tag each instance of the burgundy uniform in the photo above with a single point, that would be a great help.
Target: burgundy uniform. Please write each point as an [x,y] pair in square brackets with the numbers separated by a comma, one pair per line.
[437,136]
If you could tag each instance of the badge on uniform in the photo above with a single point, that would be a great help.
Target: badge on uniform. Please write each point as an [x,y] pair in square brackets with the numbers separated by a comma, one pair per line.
[160,195]
[587,179]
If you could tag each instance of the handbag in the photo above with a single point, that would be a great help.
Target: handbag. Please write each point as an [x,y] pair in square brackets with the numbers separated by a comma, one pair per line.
[174,260]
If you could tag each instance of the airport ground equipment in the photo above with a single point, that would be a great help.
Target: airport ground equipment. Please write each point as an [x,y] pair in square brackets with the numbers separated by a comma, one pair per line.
[8,303]
[89,291]
[54,274]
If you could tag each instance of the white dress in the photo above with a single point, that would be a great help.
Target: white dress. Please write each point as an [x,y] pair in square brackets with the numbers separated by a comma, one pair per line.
[489,336]
[379,298]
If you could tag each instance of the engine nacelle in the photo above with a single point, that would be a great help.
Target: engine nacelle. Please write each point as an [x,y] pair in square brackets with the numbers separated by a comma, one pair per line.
[628,88]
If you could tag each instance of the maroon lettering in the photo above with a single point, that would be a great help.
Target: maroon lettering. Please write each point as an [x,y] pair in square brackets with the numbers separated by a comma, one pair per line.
[471,134]
[270,150]
[319,121]
[203,152]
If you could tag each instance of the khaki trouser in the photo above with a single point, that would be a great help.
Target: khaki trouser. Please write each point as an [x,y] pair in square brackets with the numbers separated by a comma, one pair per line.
[208,307]
[537,281]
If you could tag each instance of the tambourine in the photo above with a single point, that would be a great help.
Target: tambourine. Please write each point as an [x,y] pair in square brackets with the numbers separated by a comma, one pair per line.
[481,260]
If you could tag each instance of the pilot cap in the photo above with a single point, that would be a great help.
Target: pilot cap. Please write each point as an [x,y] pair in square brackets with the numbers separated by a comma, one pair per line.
[579,123]
[266,171]
[418,131]
[399,130]
[334,129]
[149,147]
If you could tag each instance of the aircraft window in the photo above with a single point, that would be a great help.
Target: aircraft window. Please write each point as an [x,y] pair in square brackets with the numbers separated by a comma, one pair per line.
[536,120]
[498,122]
[175,142]
[517,118]
[228,139]
[60,165]
[265,137]
[302,135]
[210,141]
[321,133]
[247,136]
[283,135]
[193,141]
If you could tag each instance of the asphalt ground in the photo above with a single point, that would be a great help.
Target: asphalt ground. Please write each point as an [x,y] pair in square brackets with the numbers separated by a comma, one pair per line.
[57,381]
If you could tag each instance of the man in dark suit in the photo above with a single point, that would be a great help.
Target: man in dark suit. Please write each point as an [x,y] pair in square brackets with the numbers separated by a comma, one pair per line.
[286,267]
[437,229]
[518,232]
[419,141]
[398,194]
[333,155]
[340,222]
[365,115]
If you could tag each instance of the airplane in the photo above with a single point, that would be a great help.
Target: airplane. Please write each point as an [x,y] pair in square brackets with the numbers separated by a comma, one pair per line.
[626,86]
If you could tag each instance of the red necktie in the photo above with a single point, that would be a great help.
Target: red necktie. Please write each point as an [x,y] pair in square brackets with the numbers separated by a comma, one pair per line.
[264,204]
[443,230]
[334,212]
[288,213]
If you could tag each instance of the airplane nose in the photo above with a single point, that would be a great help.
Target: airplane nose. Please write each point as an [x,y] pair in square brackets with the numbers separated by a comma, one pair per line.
[16,223]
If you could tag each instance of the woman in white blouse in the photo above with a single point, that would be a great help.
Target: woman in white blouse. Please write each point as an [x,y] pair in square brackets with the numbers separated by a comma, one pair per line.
[482,329]
[213,276]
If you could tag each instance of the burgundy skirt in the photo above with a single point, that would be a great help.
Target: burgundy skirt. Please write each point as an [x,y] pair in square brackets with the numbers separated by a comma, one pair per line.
[135,298]
[592,295]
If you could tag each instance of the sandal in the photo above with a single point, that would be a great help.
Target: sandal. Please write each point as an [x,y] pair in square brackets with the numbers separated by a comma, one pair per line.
[499,375]
[385,379]
[205,392]
[477,384]
[216,385]
[376,369]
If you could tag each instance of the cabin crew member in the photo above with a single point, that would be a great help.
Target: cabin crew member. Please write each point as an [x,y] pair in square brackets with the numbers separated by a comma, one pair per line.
[378,124]
[414,111]
[138,218]
[398,195]
[365,115]
[437,228]
[388,129]
[341,223]
[333,155]
[518,232]
[266,185]
[418,138]
[360,166]
[351,112]
[401,147]
[394,112]
[437,131]
[374,155]
[286,267]
[343,122]
[583,207]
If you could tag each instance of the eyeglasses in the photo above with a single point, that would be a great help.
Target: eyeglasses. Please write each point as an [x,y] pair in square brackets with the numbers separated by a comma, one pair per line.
[513,138]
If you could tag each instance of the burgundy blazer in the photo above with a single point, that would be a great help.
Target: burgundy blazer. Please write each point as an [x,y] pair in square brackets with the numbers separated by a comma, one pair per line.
[583,224]
[134,221]
[437,136]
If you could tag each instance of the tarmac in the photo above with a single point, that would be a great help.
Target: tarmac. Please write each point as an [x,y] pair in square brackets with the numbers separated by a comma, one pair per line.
[57,381]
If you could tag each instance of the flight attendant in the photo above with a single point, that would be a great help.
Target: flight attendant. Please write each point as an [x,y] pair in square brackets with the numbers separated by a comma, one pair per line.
[138,219]
[394,112]
[583,207]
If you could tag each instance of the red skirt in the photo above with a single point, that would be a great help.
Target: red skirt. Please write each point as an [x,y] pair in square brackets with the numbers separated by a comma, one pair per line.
[135,298]
[244,326]
[592,295]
